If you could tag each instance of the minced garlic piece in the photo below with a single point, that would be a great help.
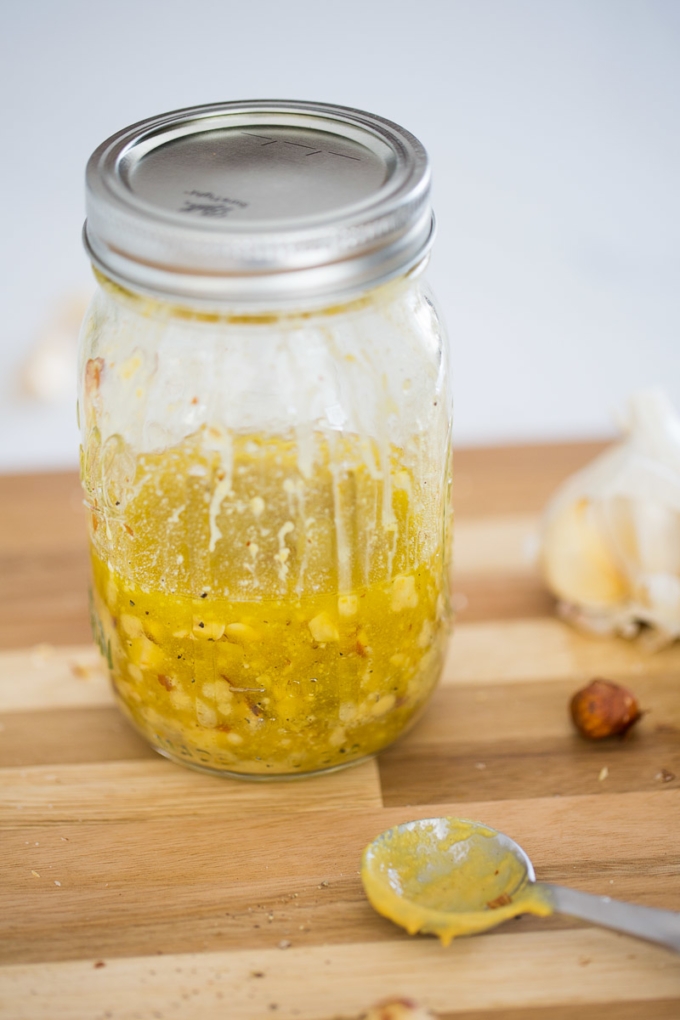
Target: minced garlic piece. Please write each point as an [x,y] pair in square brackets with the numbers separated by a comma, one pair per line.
[323,629]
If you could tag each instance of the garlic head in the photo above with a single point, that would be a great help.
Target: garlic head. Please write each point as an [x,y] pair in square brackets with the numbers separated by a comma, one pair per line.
[610,543]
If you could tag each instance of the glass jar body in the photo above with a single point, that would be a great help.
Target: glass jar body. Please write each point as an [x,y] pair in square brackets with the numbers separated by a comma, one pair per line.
[269,500]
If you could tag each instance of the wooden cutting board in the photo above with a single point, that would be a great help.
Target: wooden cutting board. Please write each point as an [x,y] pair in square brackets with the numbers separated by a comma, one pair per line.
[132,888]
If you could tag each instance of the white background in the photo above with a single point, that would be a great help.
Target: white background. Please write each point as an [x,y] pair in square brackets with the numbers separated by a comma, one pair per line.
[553,127]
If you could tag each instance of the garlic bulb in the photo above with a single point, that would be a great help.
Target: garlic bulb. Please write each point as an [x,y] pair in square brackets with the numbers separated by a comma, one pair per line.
[610,547]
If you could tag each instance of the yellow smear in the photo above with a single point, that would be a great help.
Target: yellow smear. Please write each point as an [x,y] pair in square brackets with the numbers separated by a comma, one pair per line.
[448,877]
[150,306]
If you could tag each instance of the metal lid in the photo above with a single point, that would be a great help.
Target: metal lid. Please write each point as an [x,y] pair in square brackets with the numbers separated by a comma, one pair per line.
[258,202]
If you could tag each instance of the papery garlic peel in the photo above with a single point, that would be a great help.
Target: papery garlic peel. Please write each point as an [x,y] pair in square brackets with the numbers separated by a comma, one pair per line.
[610,546]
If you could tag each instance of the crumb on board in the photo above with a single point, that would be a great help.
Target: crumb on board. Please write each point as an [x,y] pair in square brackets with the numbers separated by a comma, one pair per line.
[83,670]
[664,776]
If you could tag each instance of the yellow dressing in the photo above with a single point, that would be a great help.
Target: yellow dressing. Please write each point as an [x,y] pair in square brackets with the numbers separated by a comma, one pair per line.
[448,877]
[262,612]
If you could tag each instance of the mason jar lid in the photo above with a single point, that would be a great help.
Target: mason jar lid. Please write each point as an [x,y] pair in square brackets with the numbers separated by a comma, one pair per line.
[258,202]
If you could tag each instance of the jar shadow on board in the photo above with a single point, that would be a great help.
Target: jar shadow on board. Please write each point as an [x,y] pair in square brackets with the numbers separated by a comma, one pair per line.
[265,412]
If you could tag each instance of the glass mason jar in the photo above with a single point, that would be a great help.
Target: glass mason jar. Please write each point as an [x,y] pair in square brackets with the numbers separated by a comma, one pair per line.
[265,412]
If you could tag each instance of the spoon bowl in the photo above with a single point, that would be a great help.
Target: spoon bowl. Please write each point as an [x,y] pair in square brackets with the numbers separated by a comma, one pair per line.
[448,877]
[452,876]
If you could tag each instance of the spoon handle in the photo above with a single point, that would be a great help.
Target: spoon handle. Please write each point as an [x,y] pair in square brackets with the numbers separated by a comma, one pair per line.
[646,922]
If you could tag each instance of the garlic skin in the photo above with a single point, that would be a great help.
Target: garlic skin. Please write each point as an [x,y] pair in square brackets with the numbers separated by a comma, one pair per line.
[610,542]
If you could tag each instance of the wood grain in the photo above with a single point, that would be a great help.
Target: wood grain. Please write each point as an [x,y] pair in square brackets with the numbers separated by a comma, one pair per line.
[140,884]
[69,736]
[123,791]
[496,544]
[319,982]
[500,597]
[131,888]
[546,650]
[47,677]
[657,1009]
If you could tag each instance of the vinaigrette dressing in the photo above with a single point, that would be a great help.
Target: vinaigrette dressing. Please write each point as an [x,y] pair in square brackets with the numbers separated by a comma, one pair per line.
[260,621]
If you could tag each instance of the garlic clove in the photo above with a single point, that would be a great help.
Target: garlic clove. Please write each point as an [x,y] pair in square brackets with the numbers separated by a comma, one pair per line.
[577,562]
[659,595]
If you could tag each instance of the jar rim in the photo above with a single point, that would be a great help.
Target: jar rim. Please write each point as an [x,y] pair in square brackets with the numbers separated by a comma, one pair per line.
[259,201]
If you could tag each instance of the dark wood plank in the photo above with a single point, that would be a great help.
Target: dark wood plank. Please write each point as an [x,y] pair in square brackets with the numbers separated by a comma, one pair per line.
[514,479]
[425,774]
[500,597]
[44,598]
[499,741]
[41,513]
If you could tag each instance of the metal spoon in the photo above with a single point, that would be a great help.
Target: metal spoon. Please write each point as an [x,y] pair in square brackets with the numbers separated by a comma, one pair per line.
[451,876]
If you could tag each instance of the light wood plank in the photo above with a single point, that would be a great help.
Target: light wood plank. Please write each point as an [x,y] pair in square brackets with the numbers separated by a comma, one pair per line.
[495,574]
[486,714]
[558,832]
[618,1009]
[324,982]
[48,677]
[496,545]
[123,790]
[513,651]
